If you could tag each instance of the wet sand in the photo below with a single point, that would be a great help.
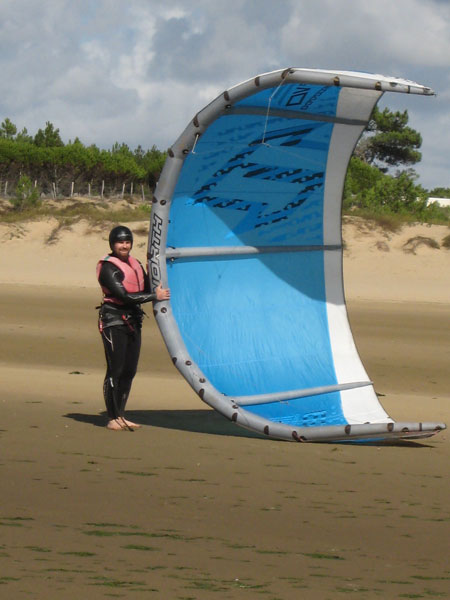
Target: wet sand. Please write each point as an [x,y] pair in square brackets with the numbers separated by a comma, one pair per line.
[193,507]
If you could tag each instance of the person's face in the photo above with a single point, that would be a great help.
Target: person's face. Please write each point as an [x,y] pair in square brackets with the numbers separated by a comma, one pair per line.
[122,249]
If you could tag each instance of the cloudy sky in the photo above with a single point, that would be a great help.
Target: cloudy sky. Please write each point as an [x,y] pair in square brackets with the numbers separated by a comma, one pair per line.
[136,71]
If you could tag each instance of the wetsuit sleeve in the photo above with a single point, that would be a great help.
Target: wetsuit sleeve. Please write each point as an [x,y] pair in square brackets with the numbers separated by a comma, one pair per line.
[111,278]
[146,281]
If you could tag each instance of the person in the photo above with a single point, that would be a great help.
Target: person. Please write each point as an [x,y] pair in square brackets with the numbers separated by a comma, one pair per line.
[125,286]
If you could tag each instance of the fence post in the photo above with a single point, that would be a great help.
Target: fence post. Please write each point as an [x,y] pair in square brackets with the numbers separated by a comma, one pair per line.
[89,190]
[142,192]
[123,190]
[103,187]
[71,189]
[6,188]
[54,190]
[131,189]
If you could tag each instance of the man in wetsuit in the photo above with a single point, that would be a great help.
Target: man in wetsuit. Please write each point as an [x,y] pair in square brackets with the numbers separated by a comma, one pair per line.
[125,287]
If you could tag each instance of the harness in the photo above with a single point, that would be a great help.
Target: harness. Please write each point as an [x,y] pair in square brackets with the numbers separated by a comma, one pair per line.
[110,316]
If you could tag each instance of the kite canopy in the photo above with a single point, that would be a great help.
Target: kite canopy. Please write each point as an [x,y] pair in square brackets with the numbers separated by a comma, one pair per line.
[246,231]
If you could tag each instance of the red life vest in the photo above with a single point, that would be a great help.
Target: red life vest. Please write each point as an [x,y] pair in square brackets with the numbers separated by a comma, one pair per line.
[133,280]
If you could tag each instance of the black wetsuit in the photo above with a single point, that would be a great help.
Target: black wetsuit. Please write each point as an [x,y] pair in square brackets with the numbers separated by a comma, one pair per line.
[120,327]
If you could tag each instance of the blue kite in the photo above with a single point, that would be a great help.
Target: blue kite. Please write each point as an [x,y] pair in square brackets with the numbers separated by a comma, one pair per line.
[246,231]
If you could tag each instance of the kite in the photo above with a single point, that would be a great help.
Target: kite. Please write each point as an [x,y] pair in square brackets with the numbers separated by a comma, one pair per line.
[246,232]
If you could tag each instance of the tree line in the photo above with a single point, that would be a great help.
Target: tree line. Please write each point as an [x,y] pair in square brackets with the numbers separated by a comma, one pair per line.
[381,177]
[52,165]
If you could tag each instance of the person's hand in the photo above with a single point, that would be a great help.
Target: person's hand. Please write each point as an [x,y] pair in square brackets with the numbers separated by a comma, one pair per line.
[162,293]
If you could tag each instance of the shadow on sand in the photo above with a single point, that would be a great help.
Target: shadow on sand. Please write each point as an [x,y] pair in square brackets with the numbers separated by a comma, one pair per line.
[197,421]
[209,422]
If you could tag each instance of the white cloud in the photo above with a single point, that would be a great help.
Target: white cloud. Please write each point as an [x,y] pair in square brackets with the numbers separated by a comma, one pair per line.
[94,51]
[363,33]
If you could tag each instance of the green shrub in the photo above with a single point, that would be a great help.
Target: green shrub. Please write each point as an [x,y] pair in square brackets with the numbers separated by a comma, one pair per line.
[26,195]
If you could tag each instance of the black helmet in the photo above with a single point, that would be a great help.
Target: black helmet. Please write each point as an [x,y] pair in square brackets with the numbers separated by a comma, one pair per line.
[120,234]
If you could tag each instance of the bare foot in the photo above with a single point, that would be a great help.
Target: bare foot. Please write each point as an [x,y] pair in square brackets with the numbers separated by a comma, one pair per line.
[131,424]
[114,425]
[125,424]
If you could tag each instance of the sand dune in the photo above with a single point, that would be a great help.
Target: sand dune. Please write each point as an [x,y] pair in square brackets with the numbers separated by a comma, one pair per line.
[376,265]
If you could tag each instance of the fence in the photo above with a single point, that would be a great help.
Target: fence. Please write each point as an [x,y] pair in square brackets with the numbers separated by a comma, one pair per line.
[64,189]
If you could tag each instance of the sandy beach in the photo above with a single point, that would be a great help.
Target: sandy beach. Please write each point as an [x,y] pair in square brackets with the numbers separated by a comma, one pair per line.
[191,506]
